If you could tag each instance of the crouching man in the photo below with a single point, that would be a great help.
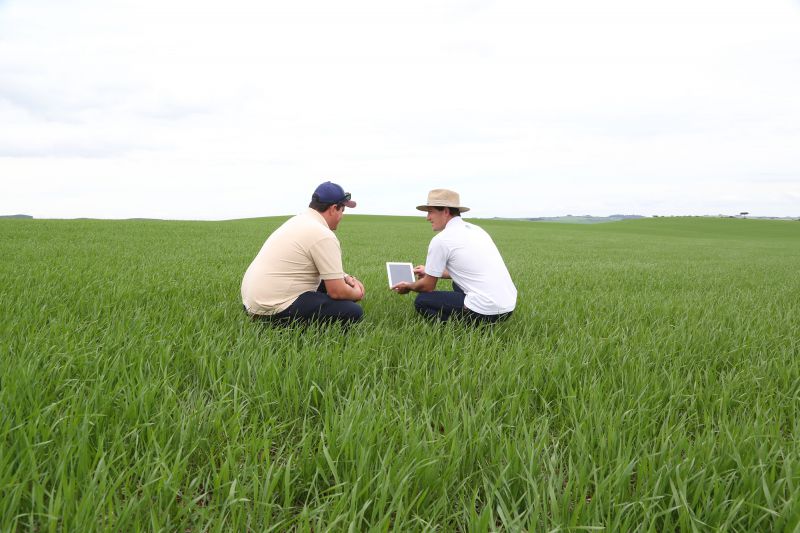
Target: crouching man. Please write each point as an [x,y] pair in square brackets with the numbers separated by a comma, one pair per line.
[482,287]
[298,276]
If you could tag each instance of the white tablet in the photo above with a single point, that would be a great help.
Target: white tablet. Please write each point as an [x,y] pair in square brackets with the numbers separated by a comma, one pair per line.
[400,272]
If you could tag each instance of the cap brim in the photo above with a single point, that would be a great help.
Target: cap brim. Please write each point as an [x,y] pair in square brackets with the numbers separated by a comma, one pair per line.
[350,203]
[428,207]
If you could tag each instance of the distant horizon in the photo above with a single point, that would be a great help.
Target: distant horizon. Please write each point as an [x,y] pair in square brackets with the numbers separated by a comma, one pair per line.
[532,218]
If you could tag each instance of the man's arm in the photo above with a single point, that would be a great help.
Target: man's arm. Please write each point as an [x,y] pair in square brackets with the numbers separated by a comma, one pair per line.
[327,257]
[419,271]
[426,283]
[348,288]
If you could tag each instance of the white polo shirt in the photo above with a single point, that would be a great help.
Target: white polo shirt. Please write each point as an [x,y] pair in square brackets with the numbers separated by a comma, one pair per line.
[468,253]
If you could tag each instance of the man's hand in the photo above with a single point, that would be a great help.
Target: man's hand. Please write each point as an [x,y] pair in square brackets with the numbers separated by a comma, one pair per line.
[356,284]
[360,286]
[424,284]
[403,287]
[347,288]
[419,271]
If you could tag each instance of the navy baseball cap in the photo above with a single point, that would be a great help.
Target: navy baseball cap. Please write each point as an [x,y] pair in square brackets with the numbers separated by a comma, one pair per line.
[331,193]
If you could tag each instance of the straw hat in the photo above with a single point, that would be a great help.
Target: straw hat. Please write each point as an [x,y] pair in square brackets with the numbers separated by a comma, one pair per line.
[443,198]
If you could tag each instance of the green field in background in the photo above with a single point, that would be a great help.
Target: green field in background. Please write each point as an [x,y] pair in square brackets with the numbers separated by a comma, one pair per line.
[648,380]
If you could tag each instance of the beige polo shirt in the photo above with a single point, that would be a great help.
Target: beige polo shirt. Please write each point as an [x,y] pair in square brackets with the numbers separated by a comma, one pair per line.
[294,259]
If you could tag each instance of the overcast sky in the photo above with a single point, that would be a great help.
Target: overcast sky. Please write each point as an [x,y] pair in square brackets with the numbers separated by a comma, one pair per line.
[216,110]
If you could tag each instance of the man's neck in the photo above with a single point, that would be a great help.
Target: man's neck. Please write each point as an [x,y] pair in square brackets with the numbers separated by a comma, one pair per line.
[450,220]
[329,219]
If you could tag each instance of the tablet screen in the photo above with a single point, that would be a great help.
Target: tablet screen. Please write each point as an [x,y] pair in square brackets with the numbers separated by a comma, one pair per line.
[399,272]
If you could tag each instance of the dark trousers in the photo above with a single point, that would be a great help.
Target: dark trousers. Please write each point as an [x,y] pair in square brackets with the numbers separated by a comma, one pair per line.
[443,305]
[316,306]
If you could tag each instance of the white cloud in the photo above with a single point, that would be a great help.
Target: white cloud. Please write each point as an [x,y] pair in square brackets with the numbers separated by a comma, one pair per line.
[208,110]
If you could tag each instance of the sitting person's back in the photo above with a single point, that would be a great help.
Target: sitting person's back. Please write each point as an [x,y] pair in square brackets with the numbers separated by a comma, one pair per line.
[298,274]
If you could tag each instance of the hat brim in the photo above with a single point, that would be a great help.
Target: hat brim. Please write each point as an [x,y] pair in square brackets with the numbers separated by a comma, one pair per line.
[428,207]
[350,203]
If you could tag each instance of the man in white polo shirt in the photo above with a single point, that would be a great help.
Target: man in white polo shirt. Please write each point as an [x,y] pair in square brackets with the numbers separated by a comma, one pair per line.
[482,287]
[298,274]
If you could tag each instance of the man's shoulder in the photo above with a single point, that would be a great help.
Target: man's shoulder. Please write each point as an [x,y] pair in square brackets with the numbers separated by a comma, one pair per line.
[474,227]
[314,222]
[306,228]
[444,241]
[455,230]
[439,238]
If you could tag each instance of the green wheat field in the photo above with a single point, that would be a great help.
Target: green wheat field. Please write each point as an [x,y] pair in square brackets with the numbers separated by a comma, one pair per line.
[649,380]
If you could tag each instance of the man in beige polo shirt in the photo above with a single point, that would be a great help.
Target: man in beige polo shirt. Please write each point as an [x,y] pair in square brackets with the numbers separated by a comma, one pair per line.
[298,274]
